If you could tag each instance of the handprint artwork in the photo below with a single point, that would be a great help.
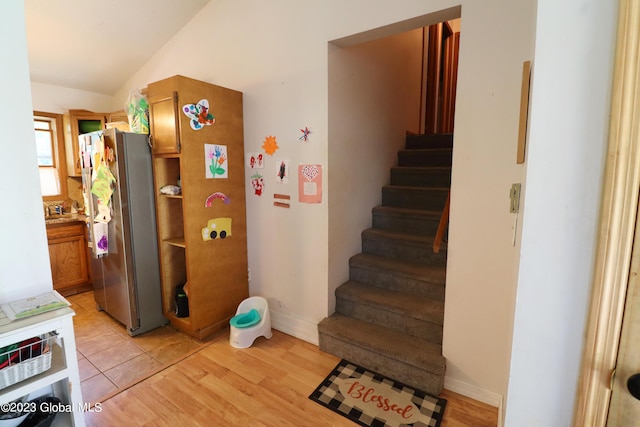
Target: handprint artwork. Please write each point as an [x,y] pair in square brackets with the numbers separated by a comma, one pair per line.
[216,162]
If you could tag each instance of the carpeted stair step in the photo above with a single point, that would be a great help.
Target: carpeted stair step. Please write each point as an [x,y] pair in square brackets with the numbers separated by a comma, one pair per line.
[399,275]
[413,361]
[424,198]
[425,157]
[403,246]
[441,140]
[404,220]
[417,176]
[410,314]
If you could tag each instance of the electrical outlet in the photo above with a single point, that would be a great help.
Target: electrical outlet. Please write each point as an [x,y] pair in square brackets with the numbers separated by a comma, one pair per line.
[514,196]
[249,274]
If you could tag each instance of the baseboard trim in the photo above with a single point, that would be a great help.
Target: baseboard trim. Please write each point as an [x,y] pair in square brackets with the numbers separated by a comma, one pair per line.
[294,326]
[474,392]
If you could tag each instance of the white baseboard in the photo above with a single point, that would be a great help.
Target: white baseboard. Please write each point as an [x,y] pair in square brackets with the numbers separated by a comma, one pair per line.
[291,325]
[473,392]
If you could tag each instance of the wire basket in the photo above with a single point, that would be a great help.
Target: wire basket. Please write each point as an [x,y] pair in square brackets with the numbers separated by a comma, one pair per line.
[25,359]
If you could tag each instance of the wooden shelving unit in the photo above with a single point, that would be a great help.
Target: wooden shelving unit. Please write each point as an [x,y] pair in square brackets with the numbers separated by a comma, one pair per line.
[214,268]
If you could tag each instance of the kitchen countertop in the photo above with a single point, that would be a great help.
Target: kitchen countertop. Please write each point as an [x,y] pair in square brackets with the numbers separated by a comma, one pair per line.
[64,218]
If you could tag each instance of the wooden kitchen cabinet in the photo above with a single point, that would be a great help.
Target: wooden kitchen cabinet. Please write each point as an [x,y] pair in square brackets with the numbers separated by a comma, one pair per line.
[213,263]
[76,123]
[164,122]
[68,255]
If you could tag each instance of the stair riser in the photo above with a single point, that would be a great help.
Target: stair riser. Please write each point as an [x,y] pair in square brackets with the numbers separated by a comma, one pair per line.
[411,326]
[425,157]
[406,224]
[400,250]
[414,198]
[412,177]
[429,141]
[413,376]
[393,282]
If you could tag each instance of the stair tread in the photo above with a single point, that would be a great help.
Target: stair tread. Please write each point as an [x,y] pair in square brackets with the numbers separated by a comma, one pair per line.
[400,267]
[426,150]
[413,188]
[409,305]
[396,345]
[421,168]
[397,211]
[407,238]
[439,139]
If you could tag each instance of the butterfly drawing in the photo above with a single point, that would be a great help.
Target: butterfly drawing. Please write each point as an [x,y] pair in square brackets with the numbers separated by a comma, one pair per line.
[199,114]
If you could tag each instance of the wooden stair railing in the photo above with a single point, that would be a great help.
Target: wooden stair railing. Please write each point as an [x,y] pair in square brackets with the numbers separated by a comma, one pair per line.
[444,220]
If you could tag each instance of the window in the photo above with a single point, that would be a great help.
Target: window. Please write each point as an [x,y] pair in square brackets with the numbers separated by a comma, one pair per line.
[50,151]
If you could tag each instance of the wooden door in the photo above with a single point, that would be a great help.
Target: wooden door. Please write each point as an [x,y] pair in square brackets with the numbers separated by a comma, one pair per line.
[624,409]
[624,406]
[164,124]
[441,78]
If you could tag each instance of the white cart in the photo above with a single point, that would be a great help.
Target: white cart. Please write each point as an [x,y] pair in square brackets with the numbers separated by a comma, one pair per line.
[62,376]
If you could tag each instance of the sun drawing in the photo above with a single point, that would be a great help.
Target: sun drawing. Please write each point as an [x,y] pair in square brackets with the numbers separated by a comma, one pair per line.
[270,145]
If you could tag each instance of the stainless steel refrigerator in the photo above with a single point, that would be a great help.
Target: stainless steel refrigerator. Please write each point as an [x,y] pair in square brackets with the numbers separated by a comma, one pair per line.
[117,183]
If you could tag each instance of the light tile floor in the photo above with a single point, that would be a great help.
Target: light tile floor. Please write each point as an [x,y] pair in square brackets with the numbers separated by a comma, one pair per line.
[110,359]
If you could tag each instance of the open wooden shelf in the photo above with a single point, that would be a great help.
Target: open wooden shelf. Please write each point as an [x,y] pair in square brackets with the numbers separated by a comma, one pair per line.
[178,241]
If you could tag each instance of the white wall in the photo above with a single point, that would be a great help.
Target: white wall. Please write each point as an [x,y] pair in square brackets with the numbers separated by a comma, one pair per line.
[495,39]
[24,257]
[567,142]
[374,98]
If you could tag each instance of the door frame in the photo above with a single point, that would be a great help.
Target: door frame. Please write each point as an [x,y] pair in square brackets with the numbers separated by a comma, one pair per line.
[616,226]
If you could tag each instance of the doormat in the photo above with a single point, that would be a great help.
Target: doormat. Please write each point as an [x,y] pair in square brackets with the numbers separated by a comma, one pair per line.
[372,400]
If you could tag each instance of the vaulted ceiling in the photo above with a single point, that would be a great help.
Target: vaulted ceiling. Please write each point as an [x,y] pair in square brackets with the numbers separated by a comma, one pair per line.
[96,45]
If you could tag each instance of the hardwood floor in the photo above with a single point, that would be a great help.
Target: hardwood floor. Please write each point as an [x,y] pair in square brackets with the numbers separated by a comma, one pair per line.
[267,384]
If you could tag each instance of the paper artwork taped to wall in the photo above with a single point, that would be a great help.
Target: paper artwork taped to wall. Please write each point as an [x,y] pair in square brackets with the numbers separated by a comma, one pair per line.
[216,196]
[282,200]
[282,171]
[255,160]
[217,228]
[257,182]
[310,183]
[199,115]
[305,134]
[270,145]
[216,161]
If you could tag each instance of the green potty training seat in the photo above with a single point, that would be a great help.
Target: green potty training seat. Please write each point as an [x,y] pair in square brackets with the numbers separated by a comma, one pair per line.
[252,320]
[245,320]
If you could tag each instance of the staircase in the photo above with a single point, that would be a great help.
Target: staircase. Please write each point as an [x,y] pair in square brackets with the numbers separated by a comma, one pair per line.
[389,315]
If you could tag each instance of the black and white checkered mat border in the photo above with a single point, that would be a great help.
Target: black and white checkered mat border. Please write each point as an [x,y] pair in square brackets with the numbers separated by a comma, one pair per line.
[328,394]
